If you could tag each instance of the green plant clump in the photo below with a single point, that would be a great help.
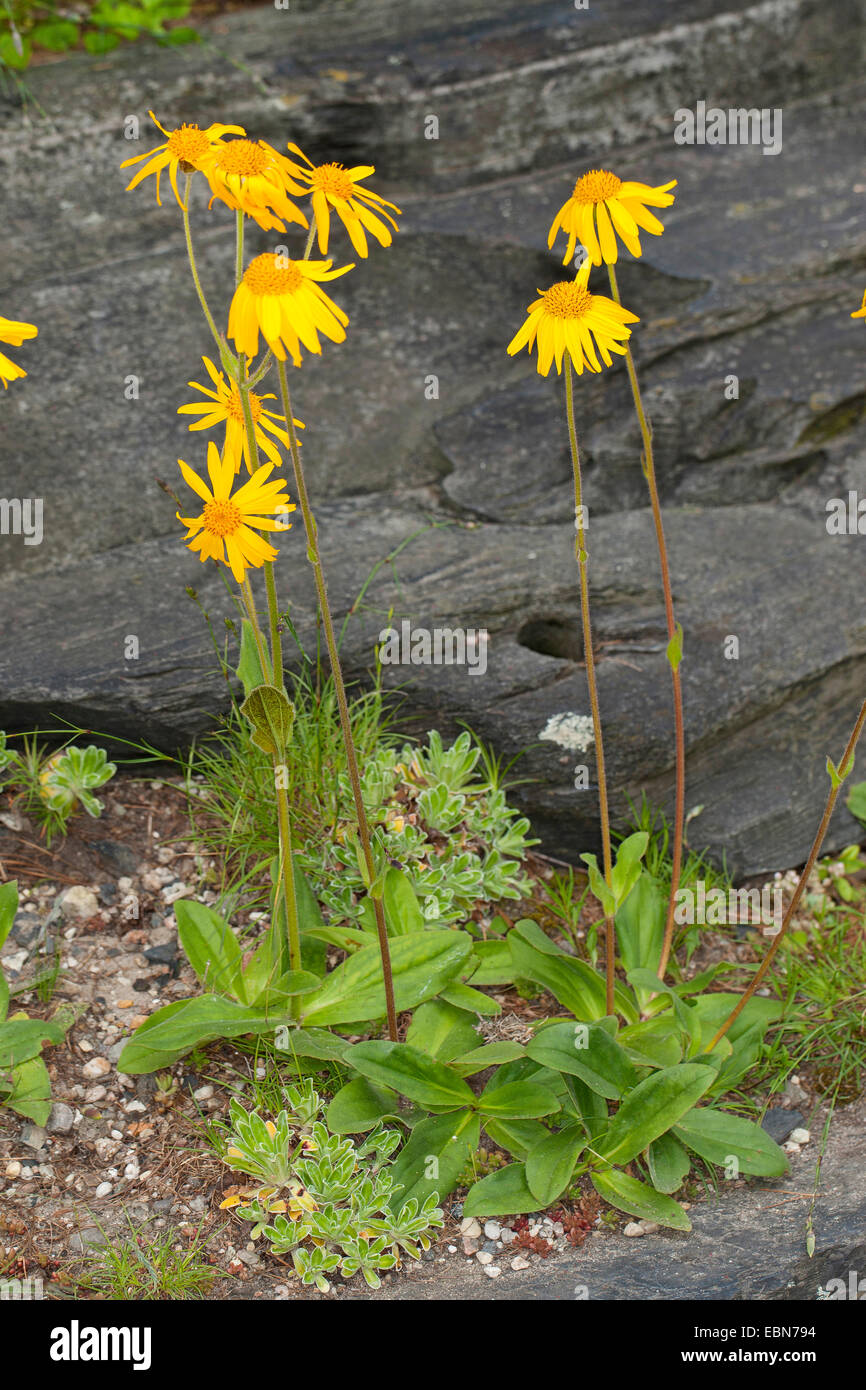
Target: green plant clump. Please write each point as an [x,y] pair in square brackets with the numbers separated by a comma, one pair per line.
[328,1202]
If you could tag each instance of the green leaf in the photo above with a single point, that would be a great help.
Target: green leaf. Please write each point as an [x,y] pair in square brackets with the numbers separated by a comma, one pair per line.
[8,907]
[360,1106]
[640,928]
[652,1108]
[520,1100]
[588,1105]
[586,1051]
[718,1137]
[21,1038]
[56,35]
[434,1157]
[410,1072]
[249,669]
[310,1042]
[654,1042]
[441,1031]
[576,986]
[31,1091]
[272,715]
[489,1055]
[182,34]
[495,964]
[502,1193]
[421,965]
[626,870]
[516,1137]
[176,1029]
[551,1163]
[856,801]
[638,1199]
[403,913]
[471,1000]
[99,42]
[675,648]
[714,1009]
[211,948]
[15,55]
[598,887]
[668,1162]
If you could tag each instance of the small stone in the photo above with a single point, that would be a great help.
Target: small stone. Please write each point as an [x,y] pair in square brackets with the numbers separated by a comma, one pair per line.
[94,1094]
[132,1171]
[203,1093]
[79,901]
[85,1046]
[790,1147]
[492,1271]
[519,1262]
[91,1235]
[508,1235]
[470,1228]
[649,1228]
[103,1190]
[165,954]
[61,1119]
[106,1148]
[13,1169]
[800,1136]
[125,1004]
[97,1066]
[134,1107]
[492,1230]
[469,1247]
[779,1122]
[634,1230]
[484,1257]
[34,1136]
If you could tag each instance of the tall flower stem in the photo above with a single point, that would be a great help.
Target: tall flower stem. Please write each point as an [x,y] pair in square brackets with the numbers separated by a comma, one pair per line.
[835,787]
[288,884]
[270,583]
[315,558]
[582,557]
[193,267]
[673,637]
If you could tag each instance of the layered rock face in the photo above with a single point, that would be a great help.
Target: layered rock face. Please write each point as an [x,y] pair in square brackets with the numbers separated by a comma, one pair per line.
[424,438]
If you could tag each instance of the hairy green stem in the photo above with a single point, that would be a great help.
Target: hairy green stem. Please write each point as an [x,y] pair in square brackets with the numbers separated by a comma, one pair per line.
[582,557]
[194,268]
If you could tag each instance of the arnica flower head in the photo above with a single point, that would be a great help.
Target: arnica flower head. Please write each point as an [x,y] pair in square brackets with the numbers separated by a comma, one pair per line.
[568,319]
[252,177]
[602,205]
[185,145]
[226,528]
[332,186]
[283,299]
[14,333]
[857,314]
[224,406]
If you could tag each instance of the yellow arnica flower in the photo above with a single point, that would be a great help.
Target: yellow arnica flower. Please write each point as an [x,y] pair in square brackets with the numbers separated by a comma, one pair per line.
[602,205]
[252,177]
[332,186]
[857,314]
[568,319]
[224,406]
[14,333]
[227,525]
[284,300]
[185,145]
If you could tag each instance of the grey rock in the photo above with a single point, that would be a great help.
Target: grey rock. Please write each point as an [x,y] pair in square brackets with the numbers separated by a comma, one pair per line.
[34,1136]
[25,928]
[89,1237]
[166,954]
[60,1119]
[117,856]
[744,281]
[779,1123]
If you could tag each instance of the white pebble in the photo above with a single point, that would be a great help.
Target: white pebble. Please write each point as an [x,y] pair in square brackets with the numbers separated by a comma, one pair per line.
[800,1136]
[492,1271]
[519,1262]
[97,1066]
[492,1230]
[470,1228]
[103,1189]
[484,1257]
[634,1230]
[13,1169]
